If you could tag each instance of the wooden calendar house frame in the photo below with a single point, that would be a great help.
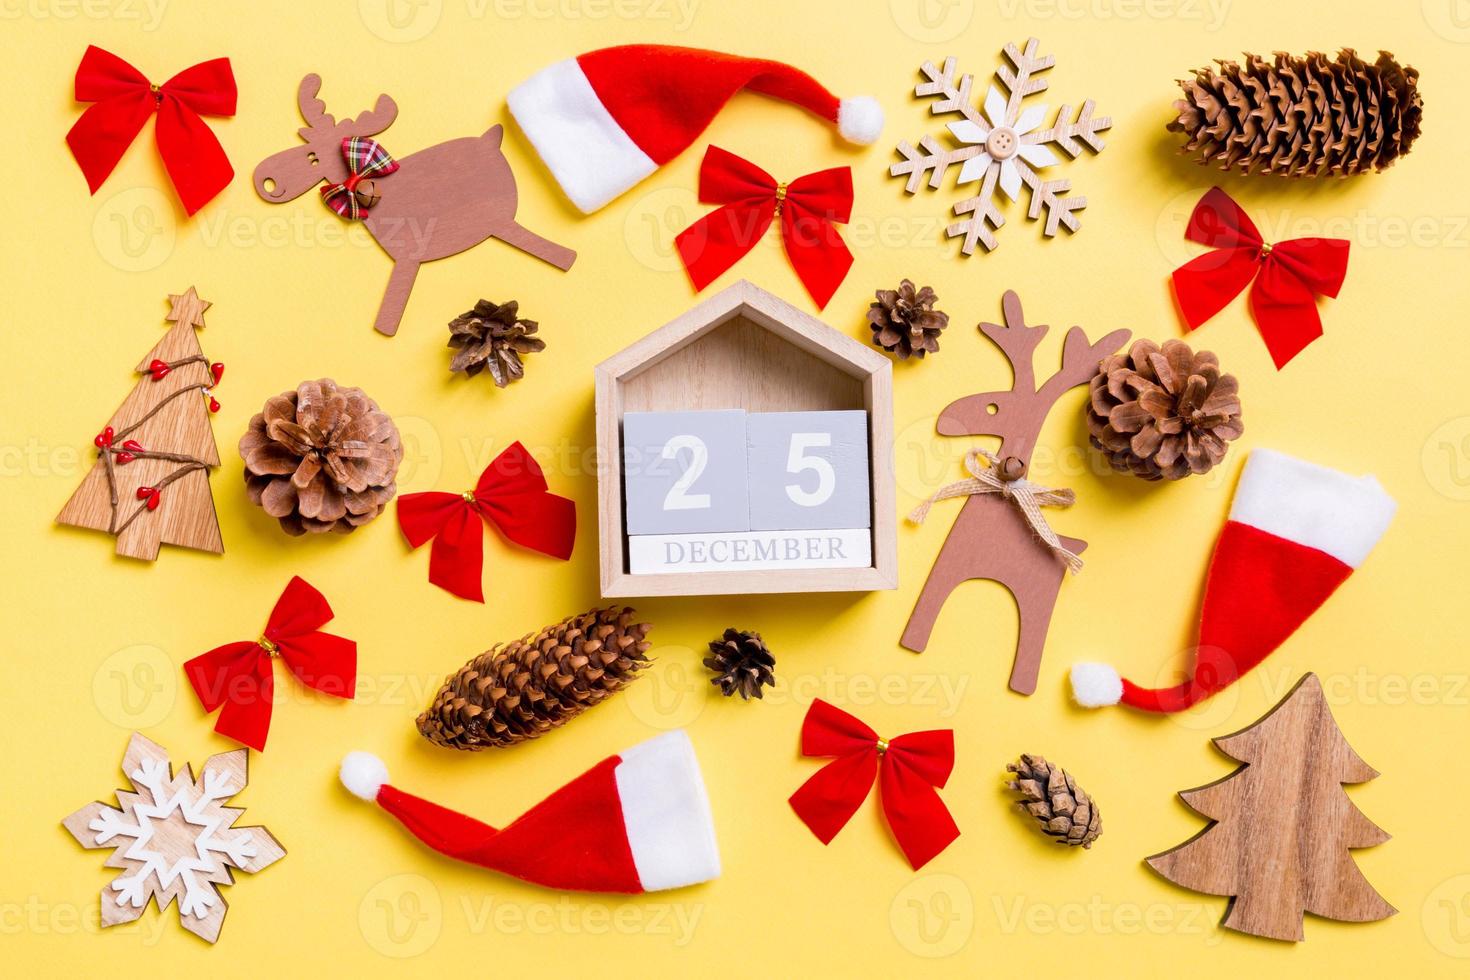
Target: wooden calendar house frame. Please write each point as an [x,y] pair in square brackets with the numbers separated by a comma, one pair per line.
[744,348]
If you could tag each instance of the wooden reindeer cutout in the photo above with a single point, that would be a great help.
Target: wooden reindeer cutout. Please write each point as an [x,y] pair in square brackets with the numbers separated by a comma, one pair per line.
[993,538]
[433,203]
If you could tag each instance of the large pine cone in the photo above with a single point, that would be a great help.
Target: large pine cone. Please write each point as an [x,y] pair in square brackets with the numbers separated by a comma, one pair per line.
[742,663]
[1060,806]
[1301,117]
[517,691]
[905,322]
[321,458]
[1163,413]
[491,338]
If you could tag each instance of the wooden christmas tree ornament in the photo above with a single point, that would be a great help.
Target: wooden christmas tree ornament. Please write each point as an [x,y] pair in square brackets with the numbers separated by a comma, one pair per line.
[173,838]
[1001,534]
[428,205]
[1281,826]
[151,481]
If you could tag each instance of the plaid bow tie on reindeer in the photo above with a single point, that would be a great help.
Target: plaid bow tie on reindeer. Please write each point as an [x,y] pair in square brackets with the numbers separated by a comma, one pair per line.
[428,205]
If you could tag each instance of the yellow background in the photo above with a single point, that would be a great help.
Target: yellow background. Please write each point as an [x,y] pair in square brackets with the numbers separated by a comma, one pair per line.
[94,643]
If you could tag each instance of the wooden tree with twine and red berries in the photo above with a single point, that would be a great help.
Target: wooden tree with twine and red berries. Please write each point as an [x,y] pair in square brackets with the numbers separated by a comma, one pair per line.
[151,482]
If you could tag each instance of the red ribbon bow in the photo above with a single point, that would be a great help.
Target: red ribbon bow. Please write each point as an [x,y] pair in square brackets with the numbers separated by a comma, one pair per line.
[124,99]
[910,768]
[239,679]
[808,206]
[1288,275]
[511,494]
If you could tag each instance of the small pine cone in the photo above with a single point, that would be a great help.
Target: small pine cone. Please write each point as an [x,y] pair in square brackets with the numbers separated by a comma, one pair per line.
[742,663]
[517,691]
[321,458]
[492,337]
[1301,117]
[904,320]
[1060,806]
[1163,413]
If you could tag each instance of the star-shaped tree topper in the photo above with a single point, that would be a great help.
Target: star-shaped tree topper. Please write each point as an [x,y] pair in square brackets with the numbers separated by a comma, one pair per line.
[187,308]
[173,838]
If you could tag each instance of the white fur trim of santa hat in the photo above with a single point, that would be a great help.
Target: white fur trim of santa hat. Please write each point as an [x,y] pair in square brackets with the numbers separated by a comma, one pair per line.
[666,813]
[585,149]
[1314,506]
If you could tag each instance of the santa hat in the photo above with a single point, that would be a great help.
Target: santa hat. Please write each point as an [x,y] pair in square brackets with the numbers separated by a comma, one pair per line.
[1295,533]
[638,821]
[603,121]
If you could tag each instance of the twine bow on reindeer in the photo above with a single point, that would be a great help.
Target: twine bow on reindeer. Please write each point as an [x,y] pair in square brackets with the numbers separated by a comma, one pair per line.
[1007,478]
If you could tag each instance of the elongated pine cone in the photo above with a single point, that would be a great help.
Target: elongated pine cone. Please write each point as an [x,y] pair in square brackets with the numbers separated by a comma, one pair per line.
[491,338]
[1301,117]
[741,663]
[905,322]
[1060,806]
[321,458]
[517,691]
[1163,413]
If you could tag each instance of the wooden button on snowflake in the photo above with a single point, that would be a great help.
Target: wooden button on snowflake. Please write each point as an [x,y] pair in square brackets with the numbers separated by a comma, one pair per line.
[1004,146]
[173,838]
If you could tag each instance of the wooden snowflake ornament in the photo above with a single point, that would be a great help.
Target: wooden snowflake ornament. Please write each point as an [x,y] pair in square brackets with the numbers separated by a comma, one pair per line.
[1003,147]
[173,838]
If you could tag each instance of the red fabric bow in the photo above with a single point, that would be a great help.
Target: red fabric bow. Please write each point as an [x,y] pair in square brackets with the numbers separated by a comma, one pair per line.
[909,769]
[123,101]
[238,677]
[808,206]
[1288,275]
[511,494]
[366,159]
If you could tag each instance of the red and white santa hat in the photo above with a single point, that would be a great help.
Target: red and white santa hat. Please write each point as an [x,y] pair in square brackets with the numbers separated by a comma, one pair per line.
[1296,532]
[638,821]
[605,120]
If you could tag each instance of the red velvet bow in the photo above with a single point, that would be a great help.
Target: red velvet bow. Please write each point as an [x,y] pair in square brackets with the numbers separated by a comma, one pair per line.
[123,101]
[808,206]
[238,677]
[1288,275]
[909,769]
[511,494]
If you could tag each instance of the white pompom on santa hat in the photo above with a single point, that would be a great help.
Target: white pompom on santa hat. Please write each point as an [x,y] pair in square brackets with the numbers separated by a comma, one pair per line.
[1296,532]
[638,821]
[605,120]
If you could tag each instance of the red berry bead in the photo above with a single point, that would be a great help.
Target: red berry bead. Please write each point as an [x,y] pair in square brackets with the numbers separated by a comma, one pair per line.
[158,369]
[213,404]
[104,438]
[218,370]
[149,494]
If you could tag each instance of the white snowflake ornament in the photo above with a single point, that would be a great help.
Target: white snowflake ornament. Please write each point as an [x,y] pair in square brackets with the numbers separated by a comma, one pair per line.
[1002,147]
[173,838]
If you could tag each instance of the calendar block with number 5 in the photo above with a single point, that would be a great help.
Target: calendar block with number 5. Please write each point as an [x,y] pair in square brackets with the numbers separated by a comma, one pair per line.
[808,470]
[684,472]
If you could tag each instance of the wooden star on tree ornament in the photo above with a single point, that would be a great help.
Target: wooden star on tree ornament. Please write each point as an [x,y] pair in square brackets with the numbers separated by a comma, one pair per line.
[1282,826]
[173,838]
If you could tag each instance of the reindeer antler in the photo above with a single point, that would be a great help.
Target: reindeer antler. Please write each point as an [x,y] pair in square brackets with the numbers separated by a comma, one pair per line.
[376,119]
[1081,358]
[1017,340]
[313,109]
